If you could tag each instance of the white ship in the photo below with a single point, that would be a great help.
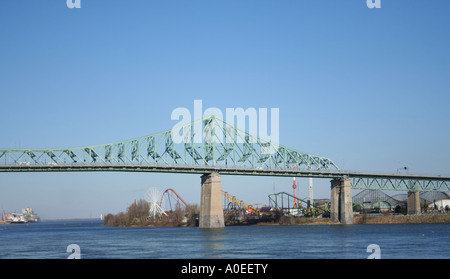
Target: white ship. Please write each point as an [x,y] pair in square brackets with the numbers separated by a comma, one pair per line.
[27,216]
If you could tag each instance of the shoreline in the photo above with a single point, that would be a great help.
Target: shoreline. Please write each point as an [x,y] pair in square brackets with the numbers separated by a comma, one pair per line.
[368,220]
[402,219]
[357,220]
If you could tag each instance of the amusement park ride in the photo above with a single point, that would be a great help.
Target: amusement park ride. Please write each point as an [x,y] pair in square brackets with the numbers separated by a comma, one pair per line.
[163,203]
[282,203]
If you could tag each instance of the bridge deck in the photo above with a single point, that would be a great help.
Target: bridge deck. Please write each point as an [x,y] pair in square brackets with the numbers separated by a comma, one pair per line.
[360,180]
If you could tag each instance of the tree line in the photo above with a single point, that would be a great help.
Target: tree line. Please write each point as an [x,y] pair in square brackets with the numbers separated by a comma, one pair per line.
[137,214]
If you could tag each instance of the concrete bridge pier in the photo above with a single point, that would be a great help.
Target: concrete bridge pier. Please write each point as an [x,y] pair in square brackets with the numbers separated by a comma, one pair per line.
[211,208]
[413,203]
[341,201]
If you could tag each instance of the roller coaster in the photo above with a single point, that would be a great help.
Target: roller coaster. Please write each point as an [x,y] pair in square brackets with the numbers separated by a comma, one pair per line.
[376,201]
[282,202]
[288,204]
[171,199]
[233,205]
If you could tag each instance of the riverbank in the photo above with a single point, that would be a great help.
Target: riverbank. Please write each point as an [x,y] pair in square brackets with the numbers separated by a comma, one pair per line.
[364,219]
[289,220]
[402,219]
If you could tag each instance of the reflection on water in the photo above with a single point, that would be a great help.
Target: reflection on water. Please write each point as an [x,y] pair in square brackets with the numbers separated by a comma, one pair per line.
[212,242]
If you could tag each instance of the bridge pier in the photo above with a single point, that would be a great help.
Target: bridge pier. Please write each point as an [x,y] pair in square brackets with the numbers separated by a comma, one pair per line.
[211,208]
[341,201]
[413,203]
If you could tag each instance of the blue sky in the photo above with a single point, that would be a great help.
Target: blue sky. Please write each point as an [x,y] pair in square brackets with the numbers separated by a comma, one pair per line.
[368,88]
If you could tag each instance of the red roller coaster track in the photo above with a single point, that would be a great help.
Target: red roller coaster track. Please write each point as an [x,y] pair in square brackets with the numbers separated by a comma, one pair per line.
[172,194]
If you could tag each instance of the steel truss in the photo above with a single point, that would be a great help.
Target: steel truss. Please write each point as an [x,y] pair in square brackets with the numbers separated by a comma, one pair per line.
[204,146]
[401,184]
[209,142]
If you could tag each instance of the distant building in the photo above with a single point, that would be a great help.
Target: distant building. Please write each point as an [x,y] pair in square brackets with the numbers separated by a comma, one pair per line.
[440,204]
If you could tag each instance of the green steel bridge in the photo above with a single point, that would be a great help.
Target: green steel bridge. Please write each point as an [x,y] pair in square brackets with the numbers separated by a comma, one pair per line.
[205,146]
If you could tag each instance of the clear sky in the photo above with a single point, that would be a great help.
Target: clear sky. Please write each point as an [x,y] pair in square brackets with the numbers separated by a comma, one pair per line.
[368,88]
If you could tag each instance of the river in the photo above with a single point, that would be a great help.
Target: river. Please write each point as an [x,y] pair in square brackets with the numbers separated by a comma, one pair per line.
[92,240]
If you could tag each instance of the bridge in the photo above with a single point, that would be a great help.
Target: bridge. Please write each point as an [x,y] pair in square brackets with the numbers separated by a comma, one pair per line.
[213,147]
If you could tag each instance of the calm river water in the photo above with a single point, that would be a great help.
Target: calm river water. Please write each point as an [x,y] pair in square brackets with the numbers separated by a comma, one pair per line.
[50,240]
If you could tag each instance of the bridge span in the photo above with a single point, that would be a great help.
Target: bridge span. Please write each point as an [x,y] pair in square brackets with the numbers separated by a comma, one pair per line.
[359,180]
[211,147]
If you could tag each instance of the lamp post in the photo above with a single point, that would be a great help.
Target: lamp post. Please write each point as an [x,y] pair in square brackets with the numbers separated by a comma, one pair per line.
[404,168]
